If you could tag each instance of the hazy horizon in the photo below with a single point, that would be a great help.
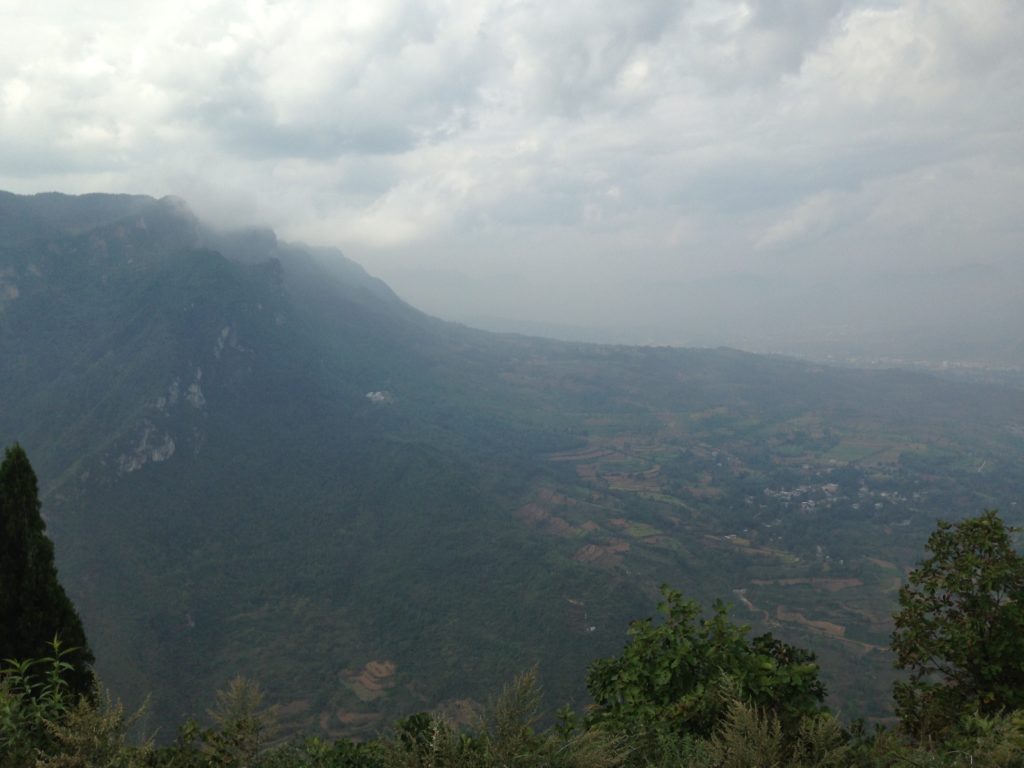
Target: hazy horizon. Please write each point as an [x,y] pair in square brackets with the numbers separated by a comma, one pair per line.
[804,177]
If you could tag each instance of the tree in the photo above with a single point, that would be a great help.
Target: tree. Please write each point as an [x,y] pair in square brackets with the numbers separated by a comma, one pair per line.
[34,609]
[680,677]
[242,724]
[960,627]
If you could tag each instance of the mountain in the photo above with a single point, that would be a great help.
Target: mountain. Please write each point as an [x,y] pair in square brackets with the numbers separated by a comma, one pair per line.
[225,495]
[256,459]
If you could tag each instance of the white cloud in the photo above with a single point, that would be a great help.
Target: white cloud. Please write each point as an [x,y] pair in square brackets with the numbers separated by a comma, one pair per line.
[813,217]
[616,139]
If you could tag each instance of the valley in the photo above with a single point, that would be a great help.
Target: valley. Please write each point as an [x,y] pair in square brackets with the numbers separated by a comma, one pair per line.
[808,520]
[257,460]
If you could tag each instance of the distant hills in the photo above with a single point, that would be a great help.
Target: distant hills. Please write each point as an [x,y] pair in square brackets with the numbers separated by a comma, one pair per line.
[256,459]
[919,317]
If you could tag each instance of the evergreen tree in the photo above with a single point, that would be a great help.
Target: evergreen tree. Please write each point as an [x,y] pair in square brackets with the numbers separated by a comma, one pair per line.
[34,608]
[960,628]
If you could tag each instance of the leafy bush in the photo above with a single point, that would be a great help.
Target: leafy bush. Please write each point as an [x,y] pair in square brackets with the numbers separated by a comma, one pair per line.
[93,734]
[680,677]
[34,694]
[506,735]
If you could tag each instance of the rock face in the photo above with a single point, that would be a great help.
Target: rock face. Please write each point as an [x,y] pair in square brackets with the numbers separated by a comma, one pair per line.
[151,446]
[194,394]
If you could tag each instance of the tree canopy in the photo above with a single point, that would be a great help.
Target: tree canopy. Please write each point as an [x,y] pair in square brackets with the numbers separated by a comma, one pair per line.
[680,676]
[960,627]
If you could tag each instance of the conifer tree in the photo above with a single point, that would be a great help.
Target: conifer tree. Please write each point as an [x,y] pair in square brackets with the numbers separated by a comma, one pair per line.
[34,609]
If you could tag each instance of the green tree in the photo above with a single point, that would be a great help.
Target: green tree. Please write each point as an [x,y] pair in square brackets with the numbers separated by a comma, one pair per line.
[960,627]
[680,677]
[242,724]
[33,697]
[34,609]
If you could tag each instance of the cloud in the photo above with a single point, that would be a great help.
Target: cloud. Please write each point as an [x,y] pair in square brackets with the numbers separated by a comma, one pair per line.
[814,216]
[616,140]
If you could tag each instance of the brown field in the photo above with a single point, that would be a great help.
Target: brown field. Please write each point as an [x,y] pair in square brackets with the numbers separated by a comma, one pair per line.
[372,681]
[532,513]
[826,627]
[603,556]
[292,709]
[356,719]
[551,496]
[829,585]
[704,491]
[621,481]
[587,455]
[876,620]
[721,541]
[556,526]
[536,516]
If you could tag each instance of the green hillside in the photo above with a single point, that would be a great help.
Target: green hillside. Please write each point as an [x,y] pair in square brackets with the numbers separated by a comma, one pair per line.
[256,459]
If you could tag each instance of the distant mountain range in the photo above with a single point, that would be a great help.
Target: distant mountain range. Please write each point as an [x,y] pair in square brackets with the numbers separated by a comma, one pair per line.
[967,315]
[256,459]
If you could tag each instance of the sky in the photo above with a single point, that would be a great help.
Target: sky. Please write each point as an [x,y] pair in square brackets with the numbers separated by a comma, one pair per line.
[761,174]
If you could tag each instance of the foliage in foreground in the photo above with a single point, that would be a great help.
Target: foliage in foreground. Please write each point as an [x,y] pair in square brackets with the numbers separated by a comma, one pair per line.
[690,691]
[92,733]
[960,628]
[34,696]
[682,675]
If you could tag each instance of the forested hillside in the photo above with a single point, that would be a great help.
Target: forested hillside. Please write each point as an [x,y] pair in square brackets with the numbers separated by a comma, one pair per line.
[256,460]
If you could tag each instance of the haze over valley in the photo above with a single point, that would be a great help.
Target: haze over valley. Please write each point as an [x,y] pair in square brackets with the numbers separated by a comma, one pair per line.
[837,178]
[381,352]
[258,460]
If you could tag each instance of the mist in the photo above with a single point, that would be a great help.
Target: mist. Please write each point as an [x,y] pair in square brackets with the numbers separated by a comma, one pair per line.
[837,179]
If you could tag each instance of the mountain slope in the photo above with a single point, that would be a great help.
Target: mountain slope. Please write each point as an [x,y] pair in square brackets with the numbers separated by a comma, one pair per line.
[258,460]
[216,471]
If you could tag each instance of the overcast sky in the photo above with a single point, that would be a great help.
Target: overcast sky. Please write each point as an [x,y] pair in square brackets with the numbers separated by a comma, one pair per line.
[544,157]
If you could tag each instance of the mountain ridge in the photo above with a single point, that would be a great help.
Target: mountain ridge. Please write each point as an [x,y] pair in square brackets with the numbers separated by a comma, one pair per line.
[272,467]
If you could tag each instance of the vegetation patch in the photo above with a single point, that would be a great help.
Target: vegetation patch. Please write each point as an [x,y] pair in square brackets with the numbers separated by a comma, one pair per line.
[602,555]
[372,681]
[827,627]
[829,585]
